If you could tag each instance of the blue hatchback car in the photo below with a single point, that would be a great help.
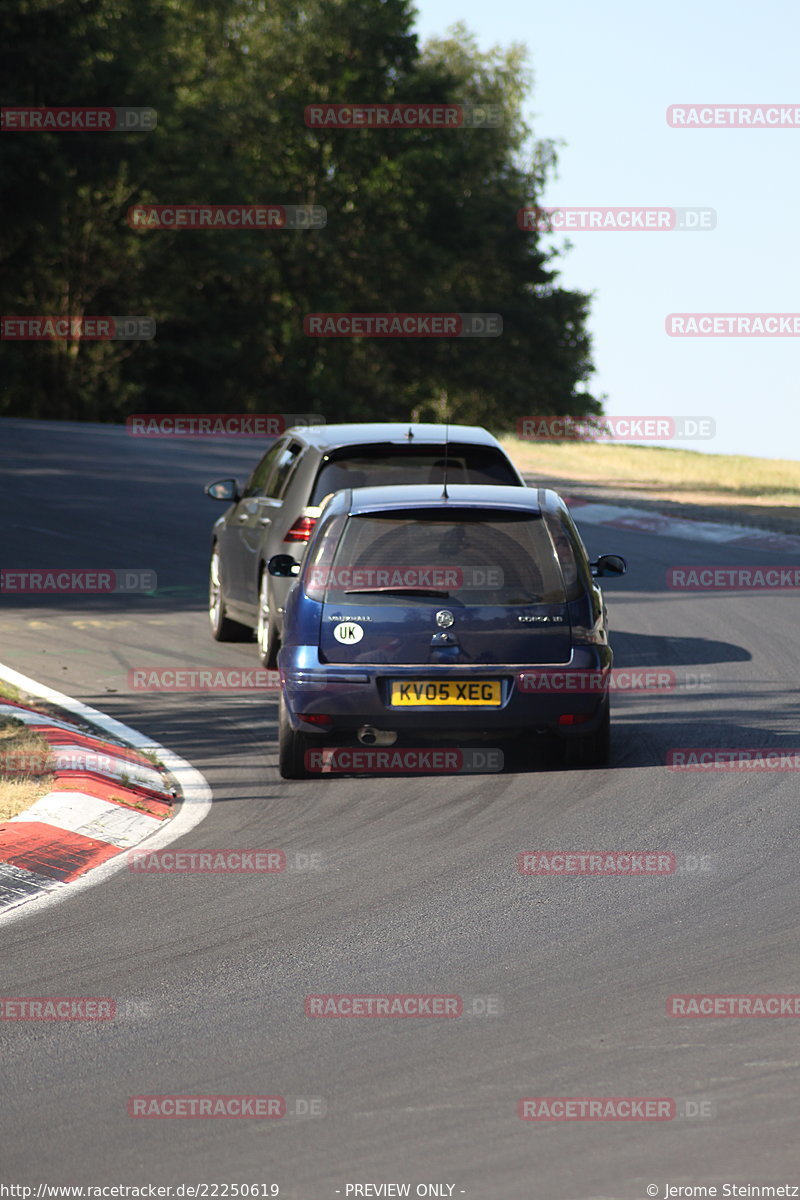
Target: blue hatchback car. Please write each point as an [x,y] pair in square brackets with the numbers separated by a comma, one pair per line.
[457,612]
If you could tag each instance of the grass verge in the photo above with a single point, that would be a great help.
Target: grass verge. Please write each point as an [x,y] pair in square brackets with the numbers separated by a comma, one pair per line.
[659,472]
[24,777]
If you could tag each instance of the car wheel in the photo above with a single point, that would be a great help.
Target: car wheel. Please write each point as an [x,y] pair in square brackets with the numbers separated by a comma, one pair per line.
[292,747]
[223,629]
[266,631]
[590,749]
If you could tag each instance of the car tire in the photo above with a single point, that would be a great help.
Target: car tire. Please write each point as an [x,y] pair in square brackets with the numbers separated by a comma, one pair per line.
[292,748]
[266,631]
[223,629]
[590,749]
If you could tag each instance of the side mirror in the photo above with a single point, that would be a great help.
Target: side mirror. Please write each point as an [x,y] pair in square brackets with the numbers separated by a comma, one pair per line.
[609,564]
[283,565]
[223,489]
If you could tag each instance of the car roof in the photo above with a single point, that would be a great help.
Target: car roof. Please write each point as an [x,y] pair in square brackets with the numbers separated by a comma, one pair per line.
[332,437]
[459,495]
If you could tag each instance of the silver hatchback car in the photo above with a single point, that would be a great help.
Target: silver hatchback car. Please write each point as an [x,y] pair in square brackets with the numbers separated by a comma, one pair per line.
[277,508]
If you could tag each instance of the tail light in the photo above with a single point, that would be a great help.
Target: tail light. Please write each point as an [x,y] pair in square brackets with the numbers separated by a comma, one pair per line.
[301,530]
[594,635]
[317,573]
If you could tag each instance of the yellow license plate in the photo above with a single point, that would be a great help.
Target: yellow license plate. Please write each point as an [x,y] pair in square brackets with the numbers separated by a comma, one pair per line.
[448,692]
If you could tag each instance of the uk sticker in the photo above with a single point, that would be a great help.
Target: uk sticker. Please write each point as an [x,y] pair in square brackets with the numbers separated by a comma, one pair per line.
[347,632]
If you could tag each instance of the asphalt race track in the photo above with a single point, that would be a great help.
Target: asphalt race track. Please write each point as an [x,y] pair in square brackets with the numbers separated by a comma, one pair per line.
[416,891]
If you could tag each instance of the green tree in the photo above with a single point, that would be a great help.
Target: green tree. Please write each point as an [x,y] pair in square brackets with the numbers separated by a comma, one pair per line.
[418,220]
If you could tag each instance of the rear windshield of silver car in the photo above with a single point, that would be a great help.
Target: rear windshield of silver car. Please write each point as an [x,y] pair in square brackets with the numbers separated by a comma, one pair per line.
[475,556]
[378,466]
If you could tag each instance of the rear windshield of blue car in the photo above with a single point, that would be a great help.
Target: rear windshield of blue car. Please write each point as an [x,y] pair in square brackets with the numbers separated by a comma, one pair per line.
[476,556]
[379,466]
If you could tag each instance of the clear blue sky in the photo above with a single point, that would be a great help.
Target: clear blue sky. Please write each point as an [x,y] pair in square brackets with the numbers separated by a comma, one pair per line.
[604,75]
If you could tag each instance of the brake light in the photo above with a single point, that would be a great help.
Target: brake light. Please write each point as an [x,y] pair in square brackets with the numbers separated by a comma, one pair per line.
[301,530]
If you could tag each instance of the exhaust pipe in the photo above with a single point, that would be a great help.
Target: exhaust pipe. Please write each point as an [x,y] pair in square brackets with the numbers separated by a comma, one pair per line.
[368,735]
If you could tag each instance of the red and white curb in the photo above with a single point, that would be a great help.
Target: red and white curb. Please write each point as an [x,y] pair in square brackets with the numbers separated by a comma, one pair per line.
[615,516]
[107,798]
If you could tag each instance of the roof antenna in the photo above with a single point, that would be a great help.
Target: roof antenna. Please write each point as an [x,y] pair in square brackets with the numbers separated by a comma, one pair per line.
[445,496]
[410,433]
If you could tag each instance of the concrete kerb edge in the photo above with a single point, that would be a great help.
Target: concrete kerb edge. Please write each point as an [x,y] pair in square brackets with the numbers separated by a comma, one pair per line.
[196,795]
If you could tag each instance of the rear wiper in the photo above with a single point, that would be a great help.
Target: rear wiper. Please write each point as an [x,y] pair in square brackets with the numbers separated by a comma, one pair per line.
[397,591]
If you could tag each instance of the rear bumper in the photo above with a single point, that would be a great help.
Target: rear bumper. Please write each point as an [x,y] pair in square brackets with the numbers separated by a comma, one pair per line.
[534,696]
